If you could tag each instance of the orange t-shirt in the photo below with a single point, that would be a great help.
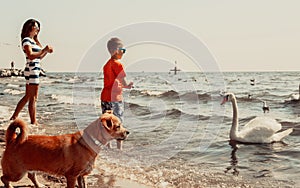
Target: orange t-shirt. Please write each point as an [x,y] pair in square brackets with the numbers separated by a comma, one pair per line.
[113,74]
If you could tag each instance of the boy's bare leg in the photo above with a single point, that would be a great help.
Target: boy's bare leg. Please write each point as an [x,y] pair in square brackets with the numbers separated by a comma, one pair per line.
[120,144]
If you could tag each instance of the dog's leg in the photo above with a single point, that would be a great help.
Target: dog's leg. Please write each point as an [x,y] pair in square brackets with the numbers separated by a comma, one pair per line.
[5,181]
[108,145]
[9,176]
[71,181]
[32,177]
[81,182]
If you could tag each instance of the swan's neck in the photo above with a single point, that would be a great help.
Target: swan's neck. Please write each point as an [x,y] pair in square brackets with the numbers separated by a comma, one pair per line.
[235,123]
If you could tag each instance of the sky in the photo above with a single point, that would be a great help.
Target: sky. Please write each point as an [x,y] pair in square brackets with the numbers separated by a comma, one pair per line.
[235,35]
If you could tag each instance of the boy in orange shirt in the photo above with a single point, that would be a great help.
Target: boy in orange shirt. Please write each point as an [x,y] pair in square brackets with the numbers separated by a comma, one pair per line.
[114,82]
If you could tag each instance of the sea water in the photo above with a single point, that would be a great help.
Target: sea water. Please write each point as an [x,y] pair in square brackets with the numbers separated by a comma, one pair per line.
[178,128]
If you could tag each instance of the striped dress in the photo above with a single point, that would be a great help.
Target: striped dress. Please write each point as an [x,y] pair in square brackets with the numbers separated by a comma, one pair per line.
[32,68]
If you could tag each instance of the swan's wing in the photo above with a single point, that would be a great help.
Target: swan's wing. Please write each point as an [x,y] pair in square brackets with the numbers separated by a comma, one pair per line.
[279,136]
[256,134]
[266,124]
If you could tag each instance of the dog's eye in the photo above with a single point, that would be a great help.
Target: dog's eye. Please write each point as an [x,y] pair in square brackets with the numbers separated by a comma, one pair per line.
[118,127]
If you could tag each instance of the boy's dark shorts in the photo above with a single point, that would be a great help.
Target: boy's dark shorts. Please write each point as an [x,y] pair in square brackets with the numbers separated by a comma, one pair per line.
[117,107]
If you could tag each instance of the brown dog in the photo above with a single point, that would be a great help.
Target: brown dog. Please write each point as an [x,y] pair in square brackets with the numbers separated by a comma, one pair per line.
[69,155]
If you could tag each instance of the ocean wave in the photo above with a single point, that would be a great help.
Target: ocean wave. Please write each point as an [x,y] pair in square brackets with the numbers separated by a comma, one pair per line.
[193,96]
[13,91]
[137,109]
[65,99]
[152,93]
[63,80]
[173,113]
[248,99]
[292,102]
[62,98]
[168,94]
[69,81]
[13,85]
[265,96]
[294,125]
[189,95]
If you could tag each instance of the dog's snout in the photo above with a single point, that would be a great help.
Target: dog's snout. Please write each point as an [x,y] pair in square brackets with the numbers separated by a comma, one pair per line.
[127,132]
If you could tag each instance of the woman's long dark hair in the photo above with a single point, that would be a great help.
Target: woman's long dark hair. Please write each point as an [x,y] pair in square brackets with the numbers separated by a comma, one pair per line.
[27,27]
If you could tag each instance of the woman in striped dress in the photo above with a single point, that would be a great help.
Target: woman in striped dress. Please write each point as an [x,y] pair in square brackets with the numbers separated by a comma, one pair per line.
[34,53]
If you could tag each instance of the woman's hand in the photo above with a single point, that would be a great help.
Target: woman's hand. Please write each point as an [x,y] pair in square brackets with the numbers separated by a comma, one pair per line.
[48,49]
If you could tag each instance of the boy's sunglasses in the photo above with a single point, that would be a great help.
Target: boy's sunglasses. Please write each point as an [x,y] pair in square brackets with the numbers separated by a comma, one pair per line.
[123,50]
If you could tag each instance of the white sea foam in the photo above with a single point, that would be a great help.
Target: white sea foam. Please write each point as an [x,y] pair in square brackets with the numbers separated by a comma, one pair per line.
[12,86]
[13,91]
[74,100]
[63,98]
[152,93]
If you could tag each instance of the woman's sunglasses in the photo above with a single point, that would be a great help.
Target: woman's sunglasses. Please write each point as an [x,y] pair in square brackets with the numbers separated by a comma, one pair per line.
[36,27]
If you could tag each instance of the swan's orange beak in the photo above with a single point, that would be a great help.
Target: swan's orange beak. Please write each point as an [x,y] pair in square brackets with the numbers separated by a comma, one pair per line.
[225,99]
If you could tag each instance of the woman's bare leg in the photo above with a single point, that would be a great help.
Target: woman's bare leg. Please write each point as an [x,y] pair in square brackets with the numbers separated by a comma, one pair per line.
[33,93]
[20,104]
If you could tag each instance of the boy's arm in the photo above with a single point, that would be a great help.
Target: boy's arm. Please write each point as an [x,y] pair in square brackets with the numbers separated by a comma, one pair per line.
[119,70]
[126,84]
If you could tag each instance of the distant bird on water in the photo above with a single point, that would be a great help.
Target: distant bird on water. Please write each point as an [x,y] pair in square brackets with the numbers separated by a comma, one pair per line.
[295,96]
[252,82]
[265,107]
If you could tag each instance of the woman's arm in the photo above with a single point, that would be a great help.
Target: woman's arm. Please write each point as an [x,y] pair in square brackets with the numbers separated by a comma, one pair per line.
[32,55]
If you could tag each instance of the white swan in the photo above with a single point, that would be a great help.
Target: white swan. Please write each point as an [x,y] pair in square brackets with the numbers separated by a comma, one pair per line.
[258,130]
[295,96]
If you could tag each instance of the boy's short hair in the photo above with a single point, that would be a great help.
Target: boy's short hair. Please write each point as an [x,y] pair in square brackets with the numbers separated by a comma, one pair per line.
[113,44]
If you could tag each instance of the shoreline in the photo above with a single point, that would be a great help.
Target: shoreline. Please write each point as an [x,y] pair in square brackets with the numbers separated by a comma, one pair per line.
[16,72]
[11,72]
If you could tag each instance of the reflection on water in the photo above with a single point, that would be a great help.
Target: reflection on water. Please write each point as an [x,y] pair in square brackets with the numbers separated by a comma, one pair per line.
[258,158]
[233,168]
[293,106]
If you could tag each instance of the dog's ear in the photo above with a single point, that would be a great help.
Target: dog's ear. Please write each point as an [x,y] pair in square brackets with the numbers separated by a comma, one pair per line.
[106,120]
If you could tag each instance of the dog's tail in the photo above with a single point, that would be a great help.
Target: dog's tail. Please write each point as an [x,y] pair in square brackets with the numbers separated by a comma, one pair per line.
[13,135]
